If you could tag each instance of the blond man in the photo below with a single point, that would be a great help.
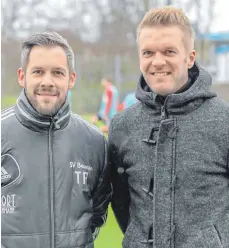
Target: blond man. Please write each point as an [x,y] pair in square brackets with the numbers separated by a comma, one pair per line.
[169,153]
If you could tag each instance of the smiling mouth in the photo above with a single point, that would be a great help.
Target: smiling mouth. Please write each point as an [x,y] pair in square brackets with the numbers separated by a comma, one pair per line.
[160,74]
[46,94]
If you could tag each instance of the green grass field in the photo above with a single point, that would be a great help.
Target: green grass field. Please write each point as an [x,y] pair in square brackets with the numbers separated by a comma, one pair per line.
[110,235]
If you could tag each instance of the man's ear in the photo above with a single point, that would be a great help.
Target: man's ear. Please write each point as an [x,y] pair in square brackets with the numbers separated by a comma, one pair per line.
[21,77]
[72,80]
[191,59]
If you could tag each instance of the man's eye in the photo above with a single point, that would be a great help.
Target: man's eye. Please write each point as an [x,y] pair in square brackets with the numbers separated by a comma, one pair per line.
[147,53]
[59,73]
[170,52]
[37,72]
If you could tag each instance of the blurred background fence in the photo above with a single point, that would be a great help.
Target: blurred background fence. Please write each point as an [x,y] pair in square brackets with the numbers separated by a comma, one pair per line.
[102,35]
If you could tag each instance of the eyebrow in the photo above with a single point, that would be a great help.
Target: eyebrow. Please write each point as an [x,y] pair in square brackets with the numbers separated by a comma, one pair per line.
[36,68]
[41,68]
[59,69]
[169,47]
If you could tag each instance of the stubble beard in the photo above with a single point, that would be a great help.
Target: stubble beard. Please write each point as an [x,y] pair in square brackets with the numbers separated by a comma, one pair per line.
[45,111]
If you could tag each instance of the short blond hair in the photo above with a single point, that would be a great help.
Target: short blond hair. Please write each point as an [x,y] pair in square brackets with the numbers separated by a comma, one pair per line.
[167,16]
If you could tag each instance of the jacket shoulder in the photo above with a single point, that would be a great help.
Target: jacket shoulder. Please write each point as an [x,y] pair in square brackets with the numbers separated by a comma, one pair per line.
[8,123]
[127,116]
[8,118]
[85,126]
[219,107]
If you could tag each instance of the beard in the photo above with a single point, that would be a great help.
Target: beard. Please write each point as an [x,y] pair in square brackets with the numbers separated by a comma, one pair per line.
[45,107]
[46,111]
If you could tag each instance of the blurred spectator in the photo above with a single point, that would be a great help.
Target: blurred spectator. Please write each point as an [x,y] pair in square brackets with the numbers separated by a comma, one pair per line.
[109,104]
[129,100]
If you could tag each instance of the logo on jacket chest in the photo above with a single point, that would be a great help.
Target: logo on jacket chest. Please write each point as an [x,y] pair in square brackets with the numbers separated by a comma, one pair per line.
[81,172]
[8,204]
[4,174]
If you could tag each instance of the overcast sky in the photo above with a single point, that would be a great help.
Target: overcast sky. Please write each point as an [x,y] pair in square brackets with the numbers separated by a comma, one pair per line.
[221,13]
[221,21]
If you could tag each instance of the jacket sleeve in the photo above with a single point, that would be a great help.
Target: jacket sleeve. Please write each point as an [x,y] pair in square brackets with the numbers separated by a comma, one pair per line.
[120,199]
[101,197]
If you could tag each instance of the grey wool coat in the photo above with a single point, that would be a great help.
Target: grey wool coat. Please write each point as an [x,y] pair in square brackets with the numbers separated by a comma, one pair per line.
[170,168]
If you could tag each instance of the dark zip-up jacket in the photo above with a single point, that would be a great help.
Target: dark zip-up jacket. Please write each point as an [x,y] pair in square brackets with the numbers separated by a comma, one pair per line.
[55,182]
[170,168]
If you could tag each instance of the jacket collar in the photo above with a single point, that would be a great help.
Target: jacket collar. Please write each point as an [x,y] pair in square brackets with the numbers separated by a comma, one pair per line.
[179,103]
[30,118]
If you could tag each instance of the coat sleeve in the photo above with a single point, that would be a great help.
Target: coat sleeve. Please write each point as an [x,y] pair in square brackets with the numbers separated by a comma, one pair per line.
[120,198]
[101,197]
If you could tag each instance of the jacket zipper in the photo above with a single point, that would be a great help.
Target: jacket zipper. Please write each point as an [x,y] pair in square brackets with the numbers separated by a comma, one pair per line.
[51,187]
[163,109]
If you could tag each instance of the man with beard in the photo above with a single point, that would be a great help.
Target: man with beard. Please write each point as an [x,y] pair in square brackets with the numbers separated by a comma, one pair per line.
[55,186]
[170,151]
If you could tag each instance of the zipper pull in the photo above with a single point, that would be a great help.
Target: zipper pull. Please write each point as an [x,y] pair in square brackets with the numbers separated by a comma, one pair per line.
[56,125]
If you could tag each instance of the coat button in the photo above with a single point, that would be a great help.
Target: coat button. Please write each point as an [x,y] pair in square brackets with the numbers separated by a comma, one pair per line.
[120,170]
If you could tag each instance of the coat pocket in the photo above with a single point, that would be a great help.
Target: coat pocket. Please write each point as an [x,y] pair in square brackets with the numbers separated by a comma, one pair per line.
[80,238]
[222,227]
[133,237]
[211,237]
[205,238]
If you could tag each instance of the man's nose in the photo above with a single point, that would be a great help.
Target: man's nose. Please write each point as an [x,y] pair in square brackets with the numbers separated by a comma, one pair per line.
[158,60]
[47,80]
